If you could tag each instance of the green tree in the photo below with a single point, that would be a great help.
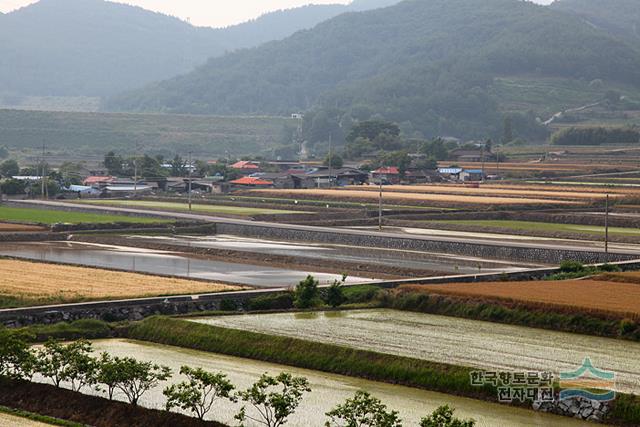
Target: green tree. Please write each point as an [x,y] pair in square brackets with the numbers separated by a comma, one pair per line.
[198,394]
[507,132]
[306,293]
[114,163]
[12,187]
[273,398]
[371,129]
[334,160]
[108,374]
[335,295]
[178,166]
[363,410]
[132,377]
[9,168]
[67,362]
[4,152]
[443,417]
[16,359]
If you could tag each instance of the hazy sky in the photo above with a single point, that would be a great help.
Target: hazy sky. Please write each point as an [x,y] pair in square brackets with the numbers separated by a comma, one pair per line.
[214,13]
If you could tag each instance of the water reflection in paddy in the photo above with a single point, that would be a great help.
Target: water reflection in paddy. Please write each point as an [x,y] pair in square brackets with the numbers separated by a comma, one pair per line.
[328,390]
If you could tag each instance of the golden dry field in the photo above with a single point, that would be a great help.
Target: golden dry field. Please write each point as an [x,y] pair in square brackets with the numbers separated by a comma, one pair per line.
[495,191]
[8,227]
[367,194]
[578,168]
[31,282]
[614,293]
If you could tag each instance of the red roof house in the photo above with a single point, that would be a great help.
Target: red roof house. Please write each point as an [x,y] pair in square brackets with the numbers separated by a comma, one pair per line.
[390,175]
[94,180]
[245,166]
[248,181]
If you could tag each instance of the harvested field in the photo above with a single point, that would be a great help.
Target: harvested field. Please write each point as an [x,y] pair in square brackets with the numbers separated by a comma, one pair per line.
[546,167]
[8,227]
[490,191]
[611,293]
[411,198]
[27,283]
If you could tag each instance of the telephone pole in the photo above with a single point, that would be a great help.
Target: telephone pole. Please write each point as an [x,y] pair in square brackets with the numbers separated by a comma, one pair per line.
[606,226]
[330,160]
[43,173]
[189,192]
[380,205]
[135,177]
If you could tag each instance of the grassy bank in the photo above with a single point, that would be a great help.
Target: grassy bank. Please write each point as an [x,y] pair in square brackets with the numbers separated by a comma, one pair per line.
[198,208]
[50,216]
[38,418]
[311,355]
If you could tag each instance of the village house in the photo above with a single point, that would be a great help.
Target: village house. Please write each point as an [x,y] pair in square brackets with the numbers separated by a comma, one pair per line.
[388,175]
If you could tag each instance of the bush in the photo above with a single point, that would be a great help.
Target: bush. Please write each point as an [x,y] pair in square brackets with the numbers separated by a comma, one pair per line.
[360,294]
[335,293]
[283,301]
[306,293]
[571,267]
[228,305]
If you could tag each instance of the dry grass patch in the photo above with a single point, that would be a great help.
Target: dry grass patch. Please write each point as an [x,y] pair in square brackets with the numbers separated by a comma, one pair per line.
[410,198]
[29,283]
[8,227]
[488,191]
[599,293]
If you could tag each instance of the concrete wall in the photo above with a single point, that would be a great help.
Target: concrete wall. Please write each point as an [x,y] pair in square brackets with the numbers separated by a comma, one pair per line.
[492,251]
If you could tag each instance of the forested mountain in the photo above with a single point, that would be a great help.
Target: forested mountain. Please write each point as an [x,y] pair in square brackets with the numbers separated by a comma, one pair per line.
[429,64]
[98,48]
[618,17]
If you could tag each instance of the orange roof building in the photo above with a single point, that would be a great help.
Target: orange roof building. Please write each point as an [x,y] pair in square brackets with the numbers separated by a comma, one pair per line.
[93,180]
[251,181]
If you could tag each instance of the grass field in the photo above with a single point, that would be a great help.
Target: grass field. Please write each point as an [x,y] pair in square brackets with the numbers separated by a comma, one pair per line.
[612,292]
[411,198]
[543,226]
[198,208]
[43,216]
[27,283]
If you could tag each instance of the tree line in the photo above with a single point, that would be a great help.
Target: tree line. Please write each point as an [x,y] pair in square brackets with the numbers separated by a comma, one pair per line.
[270,401]
[596,136]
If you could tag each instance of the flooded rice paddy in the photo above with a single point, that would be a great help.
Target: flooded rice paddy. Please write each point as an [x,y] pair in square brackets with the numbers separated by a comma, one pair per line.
[161,262]
[451,340]
[438,262]
[327,390]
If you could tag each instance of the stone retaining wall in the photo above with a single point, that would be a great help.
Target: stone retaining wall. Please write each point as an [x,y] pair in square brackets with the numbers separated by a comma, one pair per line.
[578,407]
[493,251]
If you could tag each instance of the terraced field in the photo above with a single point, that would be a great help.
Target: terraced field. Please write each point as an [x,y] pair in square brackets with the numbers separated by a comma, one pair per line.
[44,216]
[183,207]
[27,283]
[408,197]
[617,293]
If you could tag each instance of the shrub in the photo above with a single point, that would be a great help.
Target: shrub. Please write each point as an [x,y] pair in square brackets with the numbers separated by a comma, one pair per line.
[198,394]
[306,293]
[360,294]
[362,410]
[335,293]
[16,360]
[273,398]
[281,301]
[443,417]
[571,267]
[228,305]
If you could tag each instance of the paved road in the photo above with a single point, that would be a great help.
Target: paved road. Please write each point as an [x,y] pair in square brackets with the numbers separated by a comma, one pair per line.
[575,245]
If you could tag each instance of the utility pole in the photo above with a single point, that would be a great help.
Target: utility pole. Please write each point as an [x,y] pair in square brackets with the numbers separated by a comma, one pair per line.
[42,182]
[330,160]
[189,166]
[606,225]
[380,205]
[498,162]
[135,177]
[482,158]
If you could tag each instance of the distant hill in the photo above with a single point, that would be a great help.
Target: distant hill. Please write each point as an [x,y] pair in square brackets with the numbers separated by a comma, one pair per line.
[429,64]
[618,17]
[80,48]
